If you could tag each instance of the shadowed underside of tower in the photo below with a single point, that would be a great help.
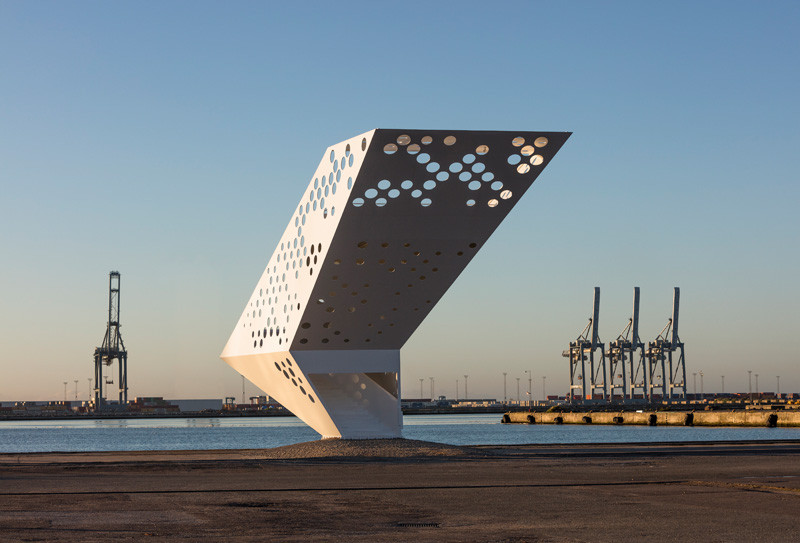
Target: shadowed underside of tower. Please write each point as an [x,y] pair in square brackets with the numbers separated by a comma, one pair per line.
[386,225]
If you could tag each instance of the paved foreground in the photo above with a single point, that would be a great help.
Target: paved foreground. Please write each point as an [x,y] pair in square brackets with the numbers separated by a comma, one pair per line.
[327,492]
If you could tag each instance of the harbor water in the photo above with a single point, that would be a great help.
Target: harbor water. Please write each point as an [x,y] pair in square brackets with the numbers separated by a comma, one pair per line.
[264,432]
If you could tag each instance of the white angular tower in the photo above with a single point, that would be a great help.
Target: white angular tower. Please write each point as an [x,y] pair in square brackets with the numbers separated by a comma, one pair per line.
[387,223]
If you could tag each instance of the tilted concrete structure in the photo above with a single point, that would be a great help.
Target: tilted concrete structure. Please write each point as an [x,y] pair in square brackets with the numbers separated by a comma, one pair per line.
[388,222]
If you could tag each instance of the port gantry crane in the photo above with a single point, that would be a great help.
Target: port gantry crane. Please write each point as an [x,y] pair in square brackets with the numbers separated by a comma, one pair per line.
[113,348]
[577,353]
[659,352]
[629,348]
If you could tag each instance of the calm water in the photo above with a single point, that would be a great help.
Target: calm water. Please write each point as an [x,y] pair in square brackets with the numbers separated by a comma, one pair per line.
[255,433]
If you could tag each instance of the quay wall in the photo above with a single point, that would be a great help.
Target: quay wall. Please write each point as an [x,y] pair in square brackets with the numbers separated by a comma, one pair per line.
[661,418]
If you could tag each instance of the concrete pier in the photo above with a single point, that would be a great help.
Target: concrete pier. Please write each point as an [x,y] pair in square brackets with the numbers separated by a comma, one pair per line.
[368,492]
[662,418]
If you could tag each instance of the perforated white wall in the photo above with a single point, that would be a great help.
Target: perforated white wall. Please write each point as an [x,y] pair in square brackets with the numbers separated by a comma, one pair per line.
[387,223]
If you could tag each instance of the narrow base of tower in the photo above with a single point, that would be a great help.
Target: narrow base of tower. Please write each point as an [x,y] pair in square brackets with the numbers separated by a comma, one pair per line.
[360,405]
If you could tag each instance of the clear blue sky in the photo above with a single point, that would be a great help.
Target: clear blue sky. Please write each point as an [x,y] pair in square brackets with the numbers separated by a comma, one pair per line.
[171,141]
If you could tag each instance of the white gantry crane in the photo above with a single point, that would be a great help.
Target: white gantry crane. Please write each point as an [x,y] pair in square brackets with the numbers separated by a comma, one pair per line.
[583,349]
[672,376]
[626,355]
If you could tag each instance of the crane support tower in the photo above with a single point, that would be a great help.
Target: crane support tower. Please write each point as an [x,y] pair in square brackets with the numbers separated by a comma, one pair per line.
[113,348]
[672,380]
[584,348]
[628,347]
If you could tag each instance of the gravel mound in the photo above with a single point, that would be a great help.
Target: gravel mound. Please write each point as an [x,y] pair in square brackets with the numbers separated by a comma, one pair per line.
[365,448]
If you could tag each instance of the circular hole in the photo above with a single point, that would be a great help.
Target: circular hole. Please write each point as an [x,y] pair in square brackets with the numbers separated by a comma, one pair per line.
[528,150]
[384,184]
[333,156]
[505,195]
[432,167]
[482,149]
[331,309]
[449,140]
[474,185]
[380,202]
[310,397]
[540,141]
[523,168]
[537,159]
[422,158]
[518,142]
[371,193]
[413,149]
[514,159]
[488,176]
[456,167]
[465,176]
[394,193]
[426,202]
[469,159]
[407,184]
[359,262]
[497,185]
[306,325]
[361,245]
[405,139]
[347,149]
[416,193]
[351,309]
[470,203]
[478,167]
[442,176]
[363,144]
[350,160]
[493,202]
[426,140]
[302,390]
[390,148]
[429,184]
[358,202]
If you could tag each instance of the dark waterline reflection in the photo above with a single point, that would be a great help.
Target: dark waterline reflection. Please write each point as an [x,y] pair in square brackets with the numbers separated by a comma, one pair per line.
[256,433]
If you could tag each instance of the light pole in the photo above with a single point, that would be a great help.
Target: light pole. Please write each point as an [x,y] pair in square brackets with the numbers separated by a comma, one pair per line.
[420,388]
[757,394]
[529,387]
[65,392]
[778,377]
[466,390]
[544,392]
[517,390]
[90,387]
[456,389]
[723,384]
[505,395]
[433,398]
[701,386]
[76,390]
[750,384]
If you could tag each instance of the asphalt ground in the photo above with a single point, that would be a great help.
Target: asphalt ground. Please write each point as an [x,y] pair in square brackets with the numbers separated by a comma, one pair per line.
[319,492]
